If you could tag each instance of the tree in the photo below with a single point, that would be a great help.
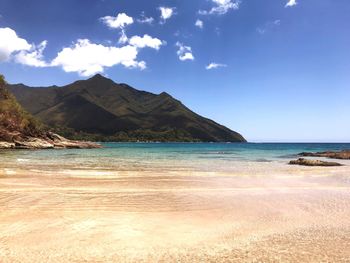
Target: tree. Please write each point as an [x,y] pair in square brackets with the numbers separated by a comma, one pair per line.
[2,80]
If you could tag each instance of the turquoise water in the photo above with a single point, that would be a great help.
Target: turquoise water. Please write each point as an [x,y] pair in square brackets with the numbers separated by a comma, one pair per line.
[160,156]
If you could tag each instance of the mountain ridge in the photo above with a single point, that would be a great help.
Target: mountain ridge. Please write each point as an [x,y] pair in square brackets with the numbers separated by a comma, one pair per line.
[102,109]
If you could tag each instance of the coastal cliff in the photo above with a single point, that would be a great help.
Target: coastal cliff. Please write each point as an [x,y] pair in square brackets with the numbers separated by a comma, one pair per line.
[20,130]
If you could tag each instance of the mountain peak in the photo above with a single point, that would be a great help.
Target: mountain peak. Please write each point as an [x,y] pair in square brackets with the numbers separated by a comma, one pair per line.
[164,94]
[98,76]
[99,80]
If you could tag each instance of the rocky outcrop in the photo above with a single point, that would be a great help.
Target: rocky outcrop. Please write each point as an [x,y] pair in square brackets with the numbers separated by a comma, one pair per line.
[307,162]
[342,155]
[49,141]
[7,145]
[61,142]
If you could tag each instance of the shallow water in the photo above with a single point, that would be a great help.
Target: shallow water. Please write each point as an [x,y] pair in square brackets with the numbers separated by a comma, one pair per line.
[208,157]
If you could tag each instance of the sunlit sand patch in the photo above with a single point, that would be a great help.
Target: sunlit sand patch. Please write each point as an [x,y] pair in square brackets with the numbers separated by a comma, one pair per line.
[23,160]
[84,225]
[89,173]
[9,171]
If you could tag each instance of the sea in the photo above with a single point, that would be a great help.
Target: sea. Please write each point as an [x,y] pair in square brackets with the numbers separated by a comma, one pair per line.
[158,157]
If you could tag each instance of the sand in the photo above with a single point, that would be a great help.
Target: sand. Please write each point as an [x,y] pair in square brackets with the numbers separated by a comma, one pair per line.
[292,215]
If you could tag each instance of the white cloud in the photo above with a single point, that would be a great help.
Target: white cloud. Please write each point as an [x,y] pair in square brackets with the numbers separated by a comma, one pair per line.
[18,49]
[145,20]
[221,7]
[84,57]
[291,3]
[123,37]
[34,57]
[268,26]
[146,41]
[142,65]
[214,65]
[166,13]
[11,43]
[120,21]
[88,58]
[199,23]
[184,52]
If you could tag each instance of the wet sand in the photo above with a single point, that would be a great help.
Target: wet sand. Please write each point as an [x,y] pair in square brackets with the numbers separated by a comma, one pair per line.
[292,215]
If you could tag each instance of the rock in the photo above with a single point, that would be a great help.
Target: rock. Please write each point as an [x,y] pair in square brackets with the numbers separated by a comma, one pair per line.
[342,155]
[306,162]
[75,145]
[33,143]
[47,141]
[7,145]
[61,142]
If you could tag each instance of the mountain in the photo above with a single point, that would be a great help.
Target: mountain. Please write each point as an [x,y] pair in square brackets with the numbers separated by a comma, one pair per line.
[14,121]
[100,109]
[19,129]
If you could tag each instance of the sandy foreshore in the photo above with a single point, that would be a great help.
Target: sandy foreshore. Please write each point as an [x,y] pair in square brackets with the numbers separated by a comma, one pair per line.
[302,216]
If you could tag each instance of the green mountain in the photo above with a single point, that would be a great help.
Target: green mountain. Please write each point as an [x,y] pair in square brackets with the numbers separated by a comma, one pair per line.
[100,109]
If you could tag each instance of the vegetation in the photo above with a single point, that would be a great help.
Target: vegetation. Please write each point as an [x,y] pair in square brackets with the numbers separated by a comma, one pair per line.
[13,119]
[98,109]
[131,136]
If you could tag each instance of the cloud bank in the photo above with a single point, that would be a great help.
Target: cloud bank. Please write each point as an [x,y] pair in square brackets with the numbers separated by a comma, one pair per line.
[34,57]
[12,47]
[84,57]
[88,58]
[11,43]
[145,41]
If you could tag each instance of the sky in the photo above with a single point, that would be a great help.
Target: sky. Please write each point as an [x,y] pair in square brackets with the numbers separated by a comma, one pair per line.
[273,70]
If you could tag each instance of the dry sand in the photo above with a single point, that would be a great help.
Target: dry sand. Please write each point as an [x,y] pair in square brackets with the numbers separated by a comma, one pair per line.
[302,216]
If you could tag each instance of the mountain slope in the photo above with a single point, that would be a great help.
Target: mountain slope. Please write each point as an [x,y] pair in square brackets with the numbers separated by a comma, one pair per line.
[14,121]
[109,111]
[20,130]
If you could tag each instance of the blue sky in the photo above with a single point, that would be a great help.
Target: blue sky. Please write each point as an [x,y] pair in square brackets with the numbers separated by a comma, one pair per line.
[274,70]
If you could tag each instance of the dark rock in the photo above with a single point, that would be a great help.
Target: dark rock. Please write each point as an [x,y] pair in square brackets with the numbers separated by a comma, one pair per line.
[342,155]
[307,162]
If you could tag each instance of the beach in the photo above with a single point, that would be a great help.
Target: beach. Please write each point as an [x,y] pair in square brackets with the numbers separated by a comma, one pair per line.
[255,212]
[212,131]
